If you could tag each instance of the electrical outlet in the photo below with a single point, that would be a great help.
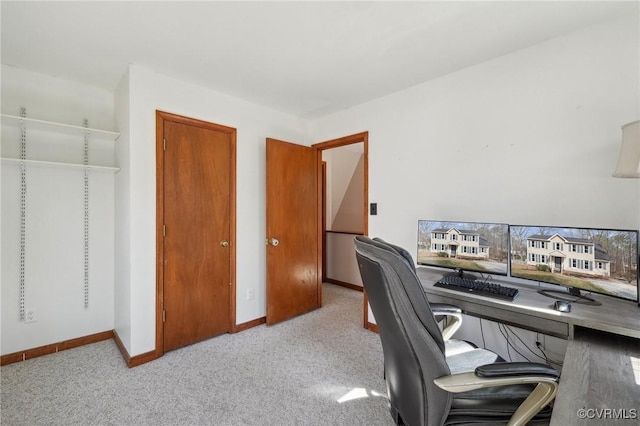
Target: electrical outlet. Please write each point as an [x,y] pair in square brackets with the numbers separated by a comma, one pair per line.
[250,294]
[30,315]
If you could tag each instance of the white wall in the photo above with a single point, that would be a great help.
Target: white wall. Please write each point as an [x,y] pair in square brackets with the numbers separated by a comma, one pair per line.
[54,264]
[341,259]
[148,92]
[345,189]
[341,166]
[528,138]
[122,216]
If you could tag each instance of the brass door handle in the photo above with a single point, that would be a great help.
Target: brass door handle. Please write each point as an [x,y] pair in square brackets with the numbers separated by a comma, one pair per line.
[224,243]
[273,241]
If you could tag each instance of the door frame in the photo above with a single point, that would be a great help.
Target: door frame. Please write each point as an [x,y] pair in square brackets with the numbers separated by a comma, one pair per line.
[362,137]
[161,117]
[323,221]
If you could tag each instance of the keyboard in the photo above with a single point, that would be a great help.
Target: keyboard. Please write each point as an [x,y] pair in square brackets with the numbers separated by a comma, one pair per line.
[480,288]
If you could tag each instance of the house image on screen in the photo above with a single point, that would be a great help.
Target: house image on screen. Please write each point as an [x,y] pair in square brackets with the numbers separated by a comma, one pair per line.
[459,243]
[568,254]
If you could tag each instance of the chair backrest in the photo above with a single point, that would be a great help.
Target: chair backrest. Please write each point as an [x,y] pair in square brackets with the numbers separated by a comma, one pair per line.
[401,251]
[411,340]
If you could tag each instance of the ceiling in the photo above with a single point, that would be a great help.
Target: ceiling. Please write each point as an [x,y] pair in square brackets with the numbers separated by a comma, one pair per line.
[303,58]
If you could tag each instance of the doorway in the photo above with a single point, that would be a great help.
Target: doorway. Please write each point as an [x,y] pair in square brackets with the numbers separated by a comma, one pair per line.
[195,230]
[343,192]
[558,265]
[345,208]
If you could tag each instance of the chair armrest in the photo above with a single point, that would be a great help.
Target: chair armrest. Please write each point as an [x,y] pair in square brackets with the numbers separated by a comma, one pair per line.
[444,309]
[450,311]
[500,369]
[542,395]
[498,374]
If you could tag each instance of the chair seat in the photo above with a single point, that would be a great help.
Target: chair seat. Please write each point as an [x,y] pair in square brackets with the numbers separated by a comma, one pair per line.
[495,403]
[454,347]
[466,361]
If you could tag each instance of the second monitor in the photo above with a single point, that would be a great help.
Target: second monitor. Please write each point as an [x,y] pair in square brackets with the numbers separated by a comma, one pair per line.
[593,260]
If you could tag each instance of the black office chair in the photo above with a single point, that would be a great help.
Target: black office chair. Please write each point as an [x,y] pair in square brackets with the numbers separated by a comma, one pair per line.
[442,311]
[427,387]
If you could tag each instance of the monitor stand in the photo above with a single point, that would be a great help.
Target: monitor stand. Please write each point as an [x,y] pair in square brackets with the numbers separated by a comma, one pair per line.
[462,274]
[572,296]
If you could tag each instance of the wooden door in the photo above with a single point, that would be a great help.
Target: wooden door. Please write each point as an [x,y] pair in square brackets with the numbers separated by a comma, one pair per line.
[198,189]
[293,221]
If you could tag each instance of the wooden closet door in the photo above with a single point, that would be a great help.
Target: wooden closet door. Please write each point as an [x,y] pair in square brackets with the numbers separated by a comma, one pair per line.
[197,237]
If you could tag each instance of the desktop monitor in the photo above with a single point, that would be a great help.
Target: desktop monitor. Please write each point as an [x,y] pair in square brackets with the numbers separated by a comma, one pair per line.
[603,261]
[464,246]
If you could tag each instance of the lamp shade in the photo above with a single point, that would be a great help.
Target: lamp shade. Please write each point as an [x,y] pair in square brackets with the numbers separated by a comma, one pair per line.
[629,160]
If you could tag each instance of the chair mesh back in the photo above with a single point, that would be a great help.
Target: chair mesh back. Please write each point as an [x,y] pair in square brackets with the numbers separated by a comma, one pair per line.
[411,340]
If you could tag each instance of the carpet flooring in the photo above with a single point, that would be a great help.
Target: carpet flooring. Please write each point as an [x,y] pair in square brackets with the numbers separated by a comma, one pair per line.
[322,368]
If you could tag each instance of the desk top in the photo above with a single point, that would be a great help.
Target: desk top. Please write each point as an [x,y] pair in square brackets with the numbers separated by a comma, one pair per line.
[600,382]
[535,311]
[601,372]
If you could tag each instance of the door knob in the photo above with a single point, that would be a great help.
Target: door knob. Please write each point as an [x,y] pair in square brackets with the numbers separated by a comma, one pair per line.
[224,243]
[273,241]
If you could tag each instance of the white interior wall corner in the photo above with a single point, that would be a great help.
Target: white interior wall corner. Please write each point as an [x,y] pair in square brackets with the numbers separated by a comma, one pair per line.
[122,217]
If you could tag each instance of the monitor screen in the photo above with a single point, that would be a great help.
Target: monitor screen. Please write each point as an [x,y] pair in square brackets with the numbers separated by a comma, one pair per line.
[468,246]
[601,261]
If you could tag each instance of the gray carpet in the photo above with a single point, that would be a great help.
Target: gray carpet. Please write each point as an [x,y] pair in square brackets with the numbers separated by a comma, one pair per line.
[321,368]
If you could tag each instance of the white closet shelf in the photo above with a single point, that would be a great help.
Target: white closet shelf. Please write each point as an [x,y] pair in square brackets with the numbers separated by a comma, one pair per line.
[63,165]
[51,125]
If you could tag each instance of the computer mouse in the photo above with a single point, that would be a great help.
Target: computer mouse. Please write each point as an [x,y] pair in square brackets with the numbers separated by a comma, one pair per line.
[562,306]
